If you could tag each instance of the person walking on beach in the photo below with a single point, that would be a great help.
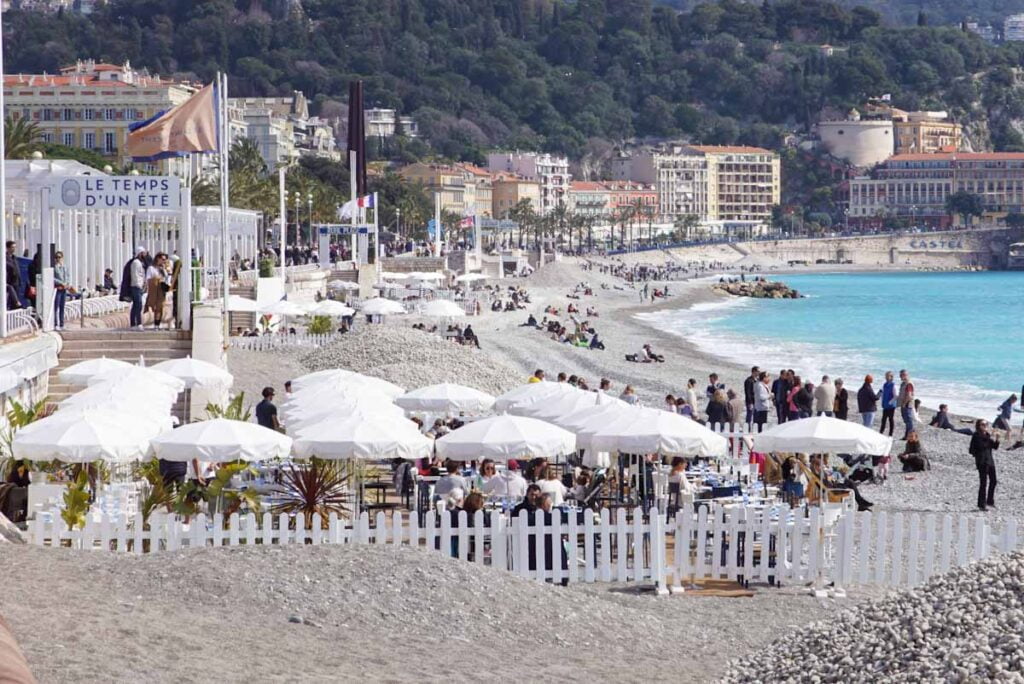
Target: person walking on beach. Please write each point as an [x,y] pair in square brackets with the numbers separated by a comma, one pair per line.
[136,281]
[1002,421]
[841,406]
[825,397]
[713,385]
[748,393]
[982,445]
[794,390]
[906,403]
[867,401]
[888,403]
[780,390]
[266,411]
[691,393]
[762,401]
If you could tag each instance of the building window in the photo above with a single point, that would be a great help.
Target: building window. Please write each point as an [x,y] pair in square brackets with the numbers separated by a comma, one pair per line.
[47,114]
[46,137]
[69,139]
[89,142]
[67,115]
[89,114]
[109,144]
[109,114]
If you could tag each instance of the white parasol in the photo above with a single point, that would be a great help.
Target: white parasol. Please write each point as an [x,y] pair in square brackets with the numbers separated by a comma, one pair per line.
[505,437]
[822,435]
[362,437]
[221,440]
[446,398]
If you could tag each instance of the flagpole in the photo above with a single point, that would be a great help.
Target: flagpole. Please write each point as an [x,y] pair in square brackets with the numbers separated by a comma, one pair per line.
[224,186]
[376,237]
[283,208]
[352,188]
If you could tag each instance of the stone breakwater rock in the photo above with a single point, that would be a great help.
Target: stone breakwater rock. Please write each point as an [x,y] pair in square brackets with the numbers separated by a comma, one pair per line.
[759,289]
[964,626]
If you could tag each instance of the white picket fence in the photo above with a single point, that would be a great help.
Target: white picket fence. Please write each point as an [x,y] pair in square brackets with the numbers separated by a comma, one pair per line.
[745,544]
[279,341]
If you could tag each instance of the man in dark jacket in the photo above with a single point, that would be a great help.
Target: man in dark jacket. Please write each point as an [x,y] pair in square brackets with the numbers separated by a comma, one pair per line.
[982,445]
[867,401]
[748,393]
[13,278]
[780,390]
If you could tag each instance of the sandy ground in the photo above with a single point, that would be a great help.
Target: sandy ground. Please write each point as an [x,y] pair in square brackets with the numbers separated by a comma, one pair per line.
[364,614]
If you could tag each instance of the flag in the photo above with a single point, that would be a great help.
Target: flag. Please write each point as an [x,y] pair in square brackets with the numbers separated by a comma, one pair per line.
[467,222]
[348,208]
[189,127]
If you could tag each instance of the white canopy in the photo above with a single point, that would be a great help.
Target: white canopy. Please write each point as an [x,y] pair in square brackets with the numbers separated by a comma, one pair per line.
[138,376]
[221,440]
[378,306]
[446,398]
[344,380]
[282,307]
[329,307]
[442,308]
[423,275]
[822,435]
[470,277]
[532,392]
[652,431]
[83,371]
[561,405]
[362,437]
[391,275]
[316,377]
[299,417]
[196,373]
[85,436]
[505,437]
[335,401]
[595,414]
[244,304]
[117,393]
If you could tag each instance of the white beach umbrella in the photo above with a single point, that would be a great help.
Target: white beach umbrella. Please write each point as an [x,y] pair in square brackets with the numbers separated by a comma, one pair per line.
[83,371]
[470,277]
[316,377]
[118,393]
[301,417]
[196,373]
[659,432]
[422,275]
[531,392]
[391,275]
[377,306]
[221,440]
[446,397]
[329,307]
[442,308]
[282,307]
[334,400]
[141,377]
[362,437]
[347,381]
[822,435]
[155,419]
[85,436]
[562,405]
[505,437]
[586,429]
[342,285]
[243,304]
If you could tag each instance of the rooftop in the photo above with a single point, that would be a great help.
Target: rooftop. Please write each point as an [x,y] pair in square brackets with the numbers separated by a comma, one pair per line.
[729,149]
[965,156]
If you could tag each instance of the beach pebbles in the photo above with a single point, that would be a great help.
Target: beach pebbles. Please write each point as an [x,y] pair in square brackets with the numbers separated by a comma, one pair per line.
[413,358]
[964,626]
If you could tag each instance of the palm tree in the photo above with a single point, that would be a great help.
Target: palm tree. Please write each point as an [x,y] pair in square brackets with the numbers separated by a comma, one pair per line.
[21,138]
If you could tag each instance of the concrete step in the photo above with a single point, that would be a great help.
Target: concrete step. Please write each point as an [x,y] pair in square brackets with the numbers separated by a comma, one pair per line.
[107,335]
[131,356]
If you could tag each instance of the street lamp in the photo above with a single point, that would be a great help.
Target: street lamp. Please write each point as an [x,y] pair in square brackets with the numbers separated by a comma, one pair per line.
[309,205]
[297,197]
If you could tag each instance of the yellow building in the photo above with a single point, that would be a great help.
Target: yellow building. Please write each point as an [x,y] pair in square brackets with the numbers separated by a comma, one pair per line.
[454,184]
[509,189]
[484,189]
[90,105]
[925,133]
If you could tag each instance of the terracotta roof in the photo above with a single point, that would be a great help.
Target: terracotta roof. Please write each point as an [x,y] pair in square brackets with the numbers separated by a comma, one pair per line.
[587,186]
[475,170]
[509,177]
[99,66]
[729,149]
[965,156]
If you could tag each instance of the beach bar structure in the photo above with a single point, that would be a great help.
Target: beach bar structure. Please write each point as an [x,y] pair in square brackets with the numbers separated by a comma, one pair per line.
[94,239]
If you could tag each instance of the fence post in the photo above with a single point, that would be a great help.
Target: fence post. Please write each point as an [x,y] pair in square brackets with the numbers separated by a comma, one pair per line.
[658,553]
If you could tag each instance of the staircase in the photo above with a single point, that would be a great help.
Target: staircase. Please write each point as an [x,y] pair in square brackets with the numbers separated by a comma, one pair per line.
[125,345]
[242,319]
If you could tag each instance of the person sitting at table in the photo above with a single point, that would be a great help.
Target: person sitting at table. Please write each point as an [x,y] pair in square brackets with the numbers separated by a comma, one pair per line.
[583,480]
[451,480]
[546,505]
[529,503]
[509,484]
[535,469]
[487,473]
[550,484]
[819,466]
[474,502]
[792,488]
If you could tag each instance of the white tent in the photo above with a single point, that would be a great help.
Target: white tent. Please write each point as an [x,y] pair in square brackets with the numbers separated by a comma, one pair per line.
[381,307]
[531,392]
[659,432]
[446,398]
[822,435]
[362,437]
[196,373]
[282,307]
[470,277]
[442,308]
[83,371]
[423,275]
[505,437]
[221,440]
[391,275]
[85,436]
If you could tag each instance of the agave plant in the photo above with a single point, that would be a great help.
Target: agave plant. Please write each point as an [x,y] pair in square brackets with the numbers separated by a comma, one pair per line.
[76,500]
[322,488]
[18,416]
[235,409]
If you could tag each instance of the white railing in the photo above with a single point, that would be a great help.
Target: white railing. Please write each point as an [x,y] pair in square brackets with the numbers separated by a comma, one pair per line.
[279,341]
[248,278]
[742,543]
[300,268]
[92,306]
[22,322]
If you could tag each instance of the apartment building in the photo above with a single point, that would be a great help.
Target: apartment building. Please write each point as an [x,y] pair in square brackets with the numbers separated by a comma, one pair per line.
[483,204]
[90,105]
[455,185]
[284,130]
[712,182]
[509,189]
[629,194]
[1013,27]
[915,186]
[589,199]
[551,172]
[385,123]
[605,199]
[925,133]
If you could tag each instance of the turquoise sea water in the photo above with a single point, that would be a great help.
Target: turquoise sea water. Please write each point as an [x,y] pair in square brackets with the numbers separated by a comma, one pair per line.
[959,334]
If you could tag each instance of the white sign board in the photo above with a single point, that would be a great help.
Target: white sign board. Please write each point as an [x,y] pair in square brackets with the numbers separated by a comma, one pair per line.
[116,192]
